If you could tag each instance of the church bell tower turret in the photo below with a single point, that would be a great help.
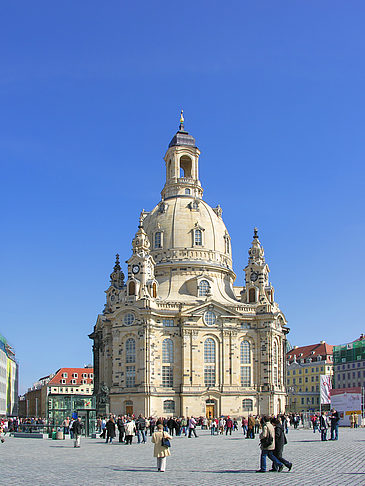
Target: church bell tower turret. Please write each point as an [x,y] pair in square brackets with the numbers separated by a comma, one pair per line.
[182,166]
[258,290]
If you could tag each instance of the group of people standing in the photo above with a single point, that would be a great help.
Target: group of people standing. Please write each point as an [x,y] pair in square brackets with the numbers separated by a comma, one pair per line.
[325,421]
[129,427]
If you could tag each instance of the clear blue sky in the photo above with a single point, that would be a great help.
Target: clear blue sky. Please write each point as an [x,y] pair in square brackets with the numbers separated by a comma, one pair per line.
[90,97]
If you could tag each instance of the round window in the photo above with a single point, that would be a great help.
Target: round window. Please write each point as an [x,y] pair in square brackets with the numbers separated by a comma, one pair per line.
[128,319]
[209,318]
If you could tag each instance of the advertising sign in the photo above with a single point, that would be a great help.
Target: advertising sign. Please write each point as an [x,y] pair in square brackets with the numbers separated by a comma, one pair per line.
[346,401]
[325,389]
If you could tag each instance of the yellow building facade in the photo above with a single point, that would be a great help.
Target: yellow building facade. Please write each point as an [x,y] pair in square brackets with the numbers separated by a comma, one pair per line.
[305,365]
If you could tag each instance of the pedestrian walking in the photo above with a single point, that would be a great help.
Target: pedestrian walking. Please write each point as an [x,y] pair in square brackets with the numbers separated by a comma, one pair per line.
[244,425]
[192,425]
[120,425]
[334,418]
[280,441]
[141,429]
[323,425]
[103,428]
[77,430]
[267,444]
[229,426]
[130,431]
[251,427]
[160,451]
[110,430]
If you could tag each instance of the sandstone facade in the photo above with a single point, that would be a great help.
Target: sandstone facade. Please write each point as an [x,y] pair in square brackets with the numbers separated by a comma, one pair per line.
[178,338]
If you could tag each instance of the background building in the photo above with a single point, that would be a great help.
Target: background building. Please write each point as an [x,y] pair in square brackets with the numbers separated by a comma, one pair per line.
[178,337]
[349,364]
[70,392]
[9,371]
[34,401]
[305,365]
[67,391]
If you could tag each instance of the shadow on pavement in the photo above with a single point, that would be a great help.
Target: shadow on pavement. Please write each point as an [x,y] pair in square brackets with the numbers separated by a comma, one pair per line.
[228,471]
[308,441]
[134,469]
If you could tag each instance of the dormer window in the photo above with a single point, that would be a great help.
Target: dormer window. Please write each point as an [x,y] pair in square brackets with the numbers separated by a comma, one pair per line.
[198,237]
[187,192]
[158,239]
[203,288]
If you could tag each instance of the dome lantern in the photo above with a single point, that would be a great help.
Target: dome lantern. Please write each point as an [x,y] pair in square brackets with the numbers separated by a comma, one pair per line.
[182,166]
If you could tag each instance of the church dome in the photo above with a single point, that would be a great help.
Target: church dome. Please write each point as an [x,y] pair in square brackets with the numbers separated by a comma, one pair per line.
[185,228]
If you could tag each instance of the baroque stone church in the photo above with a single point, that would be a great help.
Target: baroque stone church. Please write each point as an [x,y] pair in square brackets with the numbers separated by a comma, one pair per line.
[177,337]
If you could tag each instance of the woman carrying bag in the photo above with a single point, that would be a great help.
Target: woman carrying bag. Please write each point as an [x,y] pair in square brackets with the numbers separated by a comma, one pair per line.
[161,451]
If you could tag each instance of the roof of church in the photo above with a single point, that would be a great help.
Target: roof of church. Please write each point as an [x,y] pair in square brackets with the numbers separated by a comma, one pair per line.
[182,137]
[313,350]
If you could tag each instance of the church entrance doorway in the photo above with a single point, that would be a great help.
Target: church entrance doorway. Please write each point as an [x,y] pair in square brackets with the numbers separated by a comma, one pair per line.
[210,408]
[129,407]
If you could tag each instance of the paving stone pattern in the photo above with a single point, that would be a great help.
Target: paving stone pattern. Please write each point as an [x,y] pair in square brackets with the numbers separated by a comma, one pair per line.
[203,461]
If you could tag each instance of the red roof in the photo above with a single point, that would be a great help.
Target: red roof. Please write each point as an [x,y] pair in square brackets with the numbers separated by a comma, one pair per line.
[68,374]
[311,351]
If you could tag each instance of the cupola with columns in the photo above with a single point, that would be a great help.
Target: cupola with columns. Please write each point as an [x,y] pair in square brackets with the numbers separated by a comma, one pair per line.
[182,166]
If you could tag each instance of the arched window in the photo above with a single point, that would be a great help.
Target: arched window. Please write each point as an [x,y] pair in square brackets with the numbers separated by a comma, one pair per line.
[169,406]
[185,166]
[187,192]
[158,239]
[209,351]
[275,360]
[132,288]
[252,295]
[198,237]
[246,364]
[203,288]
[275,353]
[195,205]
[154,290]
[170,170]
[130,351]
[167,351]
[245,352]
[209,357]
[247,405]
[168,358]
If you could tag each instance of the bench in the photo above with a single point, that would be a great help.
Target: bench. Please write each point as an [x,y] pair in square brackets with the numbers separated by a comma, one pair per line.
[28,435]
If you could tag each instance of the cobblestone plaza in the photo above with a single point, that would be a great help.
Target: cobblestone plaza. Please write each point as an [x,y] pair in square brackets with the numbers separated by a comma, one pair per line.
[208,461]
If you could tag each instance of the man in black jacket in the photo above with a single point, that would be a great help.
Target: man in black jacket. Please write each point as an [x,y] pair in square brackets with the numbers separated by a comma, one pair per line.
[171,424]
[121,430]
[280,441]
[335,418]
[77,429]
[141,429]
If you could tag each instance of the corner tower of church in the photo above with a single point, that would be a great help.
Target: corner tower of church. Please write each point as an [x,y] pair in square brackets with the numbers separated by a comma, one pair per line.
[178,338]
